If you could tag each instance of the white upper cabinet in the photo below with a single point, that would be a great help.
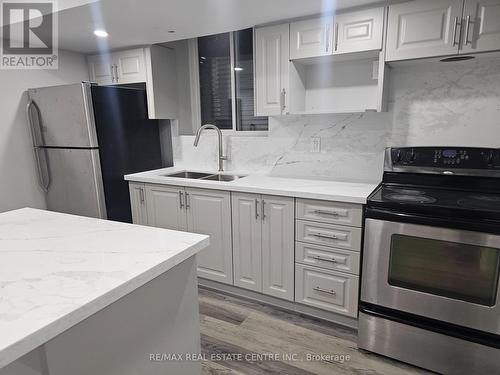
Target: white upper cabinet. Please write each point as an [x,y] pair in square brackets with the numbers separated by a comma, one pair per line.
[359,31]
[122,67]
[101,69]
[426,28]
[271,70]
[311,38]
[155,66]
[130,66]
[343,33]
[481,30]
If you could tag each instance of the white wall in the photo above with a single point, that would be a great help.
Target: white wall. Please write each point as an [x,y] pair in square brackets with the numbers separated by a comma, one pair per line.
[430,103]
[18,181]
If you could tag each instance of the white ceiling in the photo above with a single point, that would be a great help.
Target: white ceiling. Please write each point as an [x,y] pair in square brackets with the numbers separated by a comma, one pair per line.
[139,22]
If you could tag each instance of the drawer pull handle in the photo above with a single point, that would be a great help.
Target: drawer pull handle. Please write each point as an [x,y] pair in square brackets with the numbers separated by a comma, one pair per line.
[330,237]
[325,259]
[323,212]
[318,289]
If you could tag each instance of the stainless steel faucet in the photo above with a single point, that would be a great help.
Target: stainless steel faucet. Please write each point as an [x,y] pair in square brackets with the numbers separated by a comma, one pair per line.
[219,144]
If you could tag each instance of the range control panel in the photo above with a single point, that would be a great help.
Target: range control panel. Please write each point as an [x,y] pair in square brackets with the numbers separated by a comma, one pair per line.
[446,157]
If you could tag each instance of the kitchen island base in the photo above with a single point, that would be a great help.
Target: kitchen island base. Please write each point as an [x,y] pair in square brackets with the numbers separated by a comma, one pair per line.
[141,333]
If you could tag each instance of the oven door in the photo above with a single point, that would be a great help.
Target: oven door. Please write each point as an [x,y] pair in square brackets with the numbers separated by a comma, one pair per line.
[445,274]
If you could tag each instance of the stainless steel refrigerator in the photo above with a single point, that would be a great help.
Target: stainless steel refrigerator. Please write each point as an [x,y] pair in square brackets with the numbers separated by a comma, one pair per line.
[86,137]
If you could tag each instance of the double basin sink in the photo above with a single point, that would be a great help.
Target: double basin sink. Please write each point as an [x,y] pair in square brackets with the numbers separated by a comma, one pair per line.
[205,176]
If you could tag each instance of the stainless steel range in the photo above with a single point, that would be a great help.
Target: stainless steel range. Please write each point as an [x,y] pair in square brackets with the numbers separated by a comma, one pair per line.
[431,260]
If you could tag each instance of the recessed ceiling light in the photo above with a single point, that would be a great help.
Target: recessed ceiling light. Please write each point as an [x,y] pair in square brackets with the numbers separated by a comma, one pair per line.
[171,31]
[238,69]
[101,33]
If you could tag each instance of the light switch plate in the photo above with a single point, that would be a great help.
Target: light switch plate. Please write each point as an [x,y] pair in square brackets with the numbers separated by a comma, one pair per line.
[315,144]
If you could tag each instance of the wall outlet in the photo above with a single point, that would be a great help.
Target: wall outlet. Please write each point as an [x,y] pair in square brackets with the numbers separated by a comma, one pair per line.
[315,144]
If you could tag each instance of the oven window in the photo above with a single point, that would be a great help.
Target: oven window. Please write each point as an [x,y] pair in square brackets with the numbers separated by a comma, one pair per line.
[465,272]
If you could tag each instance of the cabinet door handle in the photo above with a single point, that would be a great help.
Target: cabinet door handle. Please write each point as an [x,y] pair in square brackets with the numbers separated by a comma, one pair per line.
[330,237]
[318,289]
[327,37]
[112,68]
[116,73]
[336,35]
[331,260]
[467,28]
[181,200]
[456,24]
[330,213]
[187,201]
[263,210]
[141,195]
[283,99]
[256,209]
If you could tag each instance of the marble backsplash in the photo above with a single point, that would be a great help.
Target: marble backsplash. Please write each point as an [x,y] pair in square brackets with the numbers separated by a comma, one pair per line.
[430,103]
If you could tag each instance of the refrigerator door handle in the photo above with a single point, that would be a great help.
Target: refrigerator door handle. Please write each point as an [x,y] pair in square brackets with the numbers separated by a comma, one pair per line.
[36,130]
[40,153]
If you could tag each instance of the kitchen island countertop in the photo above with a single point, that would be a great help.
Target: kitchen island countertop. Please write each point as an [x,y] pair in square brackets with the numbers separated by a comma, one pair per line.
[57,270]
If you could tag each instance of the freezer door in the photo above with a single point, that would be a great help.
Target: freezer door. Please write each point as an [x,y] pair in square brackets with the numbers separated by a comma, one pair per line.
[75,182]
[64,116]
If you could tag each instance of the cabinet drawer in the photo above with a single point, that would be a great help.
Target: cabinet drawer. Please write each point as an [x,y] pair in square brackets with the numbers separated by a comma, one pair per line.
[327,257]
[329,212]
[329,235]
[327,290]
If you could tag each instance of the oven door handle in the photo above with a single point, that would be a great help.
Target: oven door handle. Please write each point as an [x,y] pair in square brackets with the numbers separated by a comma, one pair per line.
[476,225]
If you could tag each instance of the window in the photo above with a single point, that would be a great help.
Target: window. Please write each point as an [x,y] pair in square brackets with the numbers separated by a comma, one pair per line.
[226,82]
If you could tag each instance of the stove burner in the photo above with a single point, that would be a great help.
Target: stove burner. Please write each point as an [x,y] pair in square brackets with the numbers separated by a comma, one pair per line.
[410,198]
[483,202]
[407,191]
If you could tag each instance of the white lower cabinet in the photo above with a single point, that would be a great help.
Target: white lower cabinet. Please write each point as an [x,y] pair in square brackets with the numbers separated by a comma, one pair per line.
[209,212]
[165,207]
[138,203]
[327,290]
[200,211]
[247,241]
[327,257]
[263,244]
[277,246]
[297,250]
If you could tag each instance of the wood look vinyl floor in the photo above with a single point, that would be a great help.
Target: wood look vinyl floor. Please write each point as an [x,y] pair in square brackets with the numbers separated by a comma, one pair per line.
[234,331]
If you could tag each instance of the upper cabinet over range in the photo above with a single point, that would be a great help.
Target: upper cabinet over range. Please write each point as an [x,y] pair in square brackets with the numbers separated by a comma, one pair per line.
[430,28]
[153,66]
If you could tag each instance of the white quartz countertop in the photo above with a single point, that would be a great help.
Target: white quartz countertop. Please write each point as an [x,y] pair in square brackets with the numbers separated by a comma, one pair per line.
[57,269]
[341,191]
